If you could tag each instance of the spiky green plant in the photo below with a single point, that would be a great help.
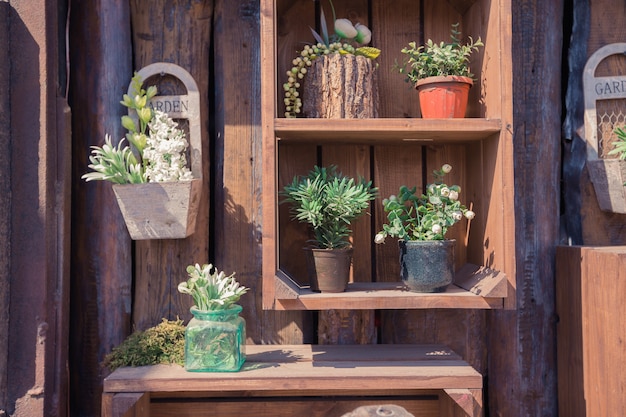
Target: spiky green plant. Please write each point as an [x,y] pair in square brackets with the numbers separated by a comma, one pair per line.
[328,201]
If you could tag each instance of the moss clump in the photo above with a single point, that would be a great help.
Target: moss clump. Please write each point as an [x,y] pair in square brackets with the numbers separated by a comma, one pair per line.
[161,344]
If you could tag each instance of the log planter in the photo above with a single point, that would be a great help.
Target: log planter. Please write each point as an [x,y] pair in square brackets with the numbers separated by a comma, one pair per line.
[341,86]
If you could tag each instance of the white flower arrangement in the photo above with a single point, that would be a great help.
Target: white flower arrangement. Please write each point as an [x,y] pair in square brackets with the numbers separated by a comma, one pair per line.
[154,137]
[211,289]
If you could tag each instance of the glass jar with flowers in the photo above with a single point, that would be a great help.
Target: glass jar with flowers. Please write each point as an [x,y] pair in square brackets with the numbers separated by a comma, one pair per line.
[324,64]
[420,222]
[215,337]
[157,190]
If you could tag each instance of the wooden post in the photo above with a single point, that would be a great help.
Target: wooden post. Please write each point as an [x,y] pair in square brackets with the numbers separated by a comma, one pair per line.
[157,37]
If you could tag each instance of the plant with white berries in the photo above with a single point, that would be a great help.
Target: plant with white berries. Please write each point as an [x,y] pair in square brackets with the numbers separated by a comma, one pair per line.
[425,217]
[346,39]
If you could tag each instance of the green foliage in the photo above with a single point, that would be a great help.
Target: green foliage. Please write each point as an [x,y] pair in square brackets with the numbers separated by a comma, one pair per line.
[440,59]
[619,144]
[328,201]
[211,289]
[114,163]
[161,344]
[424,217]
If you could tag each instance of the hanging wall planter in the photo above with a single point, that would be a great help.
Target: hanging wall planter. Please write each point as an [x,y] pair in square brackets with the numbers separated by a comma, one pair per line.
[607,175]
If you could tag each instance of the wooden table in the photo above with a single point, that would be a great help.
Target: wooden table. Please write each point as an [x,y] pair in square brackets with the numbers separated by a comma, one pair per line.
[303,380]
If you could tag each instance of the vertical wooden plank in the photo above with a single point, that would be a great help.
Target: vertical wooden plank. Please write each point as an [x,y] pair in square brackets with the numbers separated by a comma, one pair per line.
[522,377]
[159,30]
[603,324]
[392,29]
[101,278]
[394,165]
[5,201]
[569,330]
[347,326]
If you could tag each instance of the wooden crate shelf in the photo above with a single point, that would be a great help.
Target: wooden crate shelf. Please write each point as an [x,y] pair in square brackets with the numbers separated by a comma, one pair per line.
[474,288]
[397,148]
[277,380]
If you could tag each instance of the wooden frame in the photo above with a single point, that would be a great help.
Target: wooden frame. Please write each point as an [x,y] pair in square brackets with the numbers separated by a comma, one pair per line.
[480,145]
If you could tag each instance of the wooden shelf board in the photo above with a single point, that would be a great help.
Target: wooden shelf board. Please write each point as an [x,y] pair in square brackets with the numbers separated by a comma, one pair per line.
[484,289]
[398,130]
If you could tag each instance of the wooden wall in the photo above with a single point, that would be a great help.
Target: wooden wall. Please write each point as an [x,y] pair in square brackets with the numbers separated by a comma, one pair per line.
[35,155]
[118,285]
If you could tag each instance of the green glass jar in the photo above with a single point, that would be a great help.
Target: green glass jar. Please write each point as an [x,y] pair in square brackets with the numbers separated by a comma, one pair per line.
[215,341]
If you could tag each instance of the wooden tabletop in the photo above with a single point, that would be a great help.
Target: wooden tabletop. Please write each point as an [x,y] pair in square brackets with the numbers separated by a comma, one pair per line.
[312,368]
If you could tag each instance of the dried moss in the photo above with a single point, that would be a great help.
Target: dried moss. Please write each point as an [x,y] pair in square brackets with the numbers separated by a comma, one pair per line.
[161,344]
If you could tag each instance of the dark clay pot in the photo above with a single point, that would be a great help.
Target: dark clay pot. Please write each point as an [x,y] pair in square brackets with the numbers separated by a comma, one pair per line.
[328,269]
[427,266]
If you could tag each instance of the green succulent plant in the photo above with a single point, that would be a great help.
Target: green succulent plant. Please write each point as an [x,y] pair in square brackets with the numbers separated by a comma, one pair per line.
[328,201]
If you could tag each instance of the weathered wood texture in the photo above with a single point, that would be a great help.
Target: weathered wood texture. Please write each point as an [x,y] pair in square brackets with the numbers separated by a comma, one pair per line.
[238,170]
[5,203]
[178,32]
[522,363]
[35,207]
[101,249]
[590,282]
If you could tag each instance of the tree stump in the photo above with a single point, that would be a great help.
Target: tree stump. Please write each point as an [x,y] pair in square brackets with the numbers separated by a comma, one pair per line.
[341,86]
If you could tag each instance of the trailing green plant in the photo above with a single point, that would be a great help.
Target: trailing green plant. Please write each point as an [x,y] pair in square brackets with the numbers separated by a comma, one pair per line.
[211,289]
[620,144]
[346,39]
[328,201]
[438,59]
[424,217]
[158,146]
[161,344]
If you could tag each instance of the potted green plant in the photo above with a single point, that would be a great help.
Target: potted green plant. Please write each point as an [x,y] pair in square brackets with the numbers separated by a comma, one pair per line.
[345,45]
[328,202]
[157,191]
[215,337]
[441,74]
[420,222]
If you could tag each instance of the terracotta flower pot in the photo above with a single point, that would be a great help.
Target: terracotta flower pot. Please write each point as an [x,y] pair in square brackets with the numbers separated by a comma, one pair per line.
[328,269]
[443,97]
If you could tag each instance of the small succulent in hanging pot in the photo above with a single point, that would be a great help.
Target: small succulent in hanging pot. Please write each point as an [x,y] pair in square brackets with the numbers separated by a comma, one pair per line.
[420,222]
[345,46]
[216,335]
[441,73]
[328,202]
[157,191]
